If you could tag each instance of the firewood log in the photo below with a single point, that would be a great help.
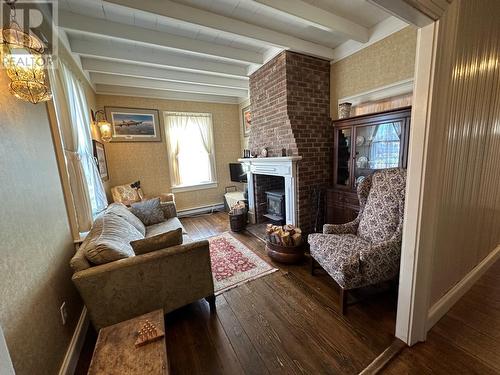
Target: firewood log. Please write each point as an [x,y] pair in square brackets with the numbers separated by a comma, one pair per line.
[297,239]
[286,238]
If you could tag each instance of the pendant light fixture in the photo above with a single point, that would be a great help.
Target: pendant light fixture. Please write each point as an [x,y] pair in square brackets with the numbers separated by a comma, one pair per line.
[23,59]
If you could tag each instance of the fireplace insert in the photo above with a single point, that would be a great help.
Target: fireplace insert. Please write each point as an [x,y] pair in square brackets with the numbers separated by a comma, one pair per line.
[276,206]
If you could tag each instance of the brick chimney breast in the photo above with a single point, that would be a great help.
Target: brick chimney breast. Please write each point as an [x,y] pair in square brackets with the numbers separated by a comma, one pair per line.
[290,102]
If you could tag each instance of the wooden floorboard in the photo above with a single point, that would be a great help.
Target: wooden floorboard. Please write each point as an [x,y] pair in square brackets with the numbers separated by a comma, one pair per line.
[284,323]
[465,341]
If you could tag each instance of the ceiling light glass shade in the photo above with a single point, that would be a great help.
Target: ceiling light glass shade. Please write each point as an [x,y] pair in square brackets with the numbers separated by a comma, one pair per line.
[15,37]
[30,91]
[105,129]
[25,65]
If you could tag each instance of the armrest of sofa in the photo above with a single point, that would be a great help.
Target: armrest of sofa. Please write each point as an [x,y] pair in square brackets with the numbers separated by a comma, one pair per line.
[167,279]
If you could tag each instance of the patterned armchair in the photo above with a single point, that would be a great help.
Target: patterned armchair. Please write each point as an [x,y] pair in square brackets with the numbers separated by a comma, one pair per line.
[367,250]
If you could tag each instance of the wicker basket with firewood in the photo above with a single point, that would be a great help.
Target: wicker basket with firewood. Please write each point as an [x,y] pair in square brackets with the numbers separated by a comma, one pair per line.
[284,243]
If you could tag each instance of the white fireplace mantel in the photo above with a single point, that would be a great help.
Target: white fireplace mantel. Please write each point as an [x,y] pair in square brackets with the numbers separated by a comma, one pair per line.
[285,167]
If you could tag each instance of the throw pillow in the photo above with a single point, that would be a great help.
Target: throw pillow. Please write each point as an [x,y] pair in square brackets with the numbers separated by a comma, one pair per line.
[109,239]
[121,210]
[160,241]
[128,193]
[148,211]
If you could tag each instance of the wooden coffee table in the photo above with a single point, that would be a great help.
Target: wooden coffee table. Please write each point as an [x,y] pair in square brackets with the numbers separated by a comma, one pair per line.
[115,351]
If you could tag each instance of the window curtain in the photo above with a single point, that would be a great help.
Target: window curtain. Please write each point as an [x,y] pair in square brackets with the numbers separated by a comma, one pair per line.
[73,119]
[204,123]
[176,126]
[179,125]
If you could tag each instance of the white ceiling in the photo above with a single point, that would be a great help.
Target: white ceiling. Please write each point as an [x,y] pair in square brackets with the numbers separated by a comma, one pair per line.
[206,49]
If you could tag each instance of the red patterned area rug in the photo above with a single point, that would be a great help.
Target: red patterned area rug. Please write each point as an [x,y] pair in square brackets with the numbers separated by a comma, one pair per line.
[234,264]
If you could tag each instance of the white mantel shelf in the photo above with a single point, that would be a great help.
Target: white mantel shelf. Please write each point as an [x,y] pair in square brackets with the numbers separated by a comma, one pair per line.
[286,167]
[270,159]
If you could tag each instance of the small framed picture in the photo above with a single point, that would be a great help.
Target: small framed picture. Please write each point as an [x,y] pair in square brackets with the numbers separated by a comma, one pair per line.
[100,156]
[134,124]
[246,120]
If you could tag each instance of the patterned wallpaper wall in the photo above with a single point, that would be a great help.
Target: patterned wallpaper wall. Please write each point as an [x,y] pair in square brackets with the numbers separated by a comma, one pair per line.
[36,242]
[148,161]
[388,61]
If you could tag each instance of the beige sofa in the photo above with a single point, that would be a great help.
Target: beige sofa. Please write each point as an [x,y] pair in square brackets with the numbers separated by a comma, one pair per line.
[163,279]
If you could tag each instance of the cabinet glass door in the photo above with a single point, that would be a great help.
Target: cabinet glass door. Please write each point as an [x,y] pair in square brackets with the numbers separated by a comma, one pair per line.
[344,137]
[376,147]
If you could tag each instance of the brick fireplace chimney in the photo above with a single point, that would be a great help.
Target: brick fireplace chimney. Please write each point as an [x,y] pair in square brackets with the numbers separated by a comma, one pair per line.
[290,101]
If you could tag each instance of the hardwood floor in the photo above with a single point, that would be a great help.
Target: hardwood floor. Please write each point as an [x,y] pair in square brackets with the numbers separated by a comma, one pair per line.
[287,322]
[465,341]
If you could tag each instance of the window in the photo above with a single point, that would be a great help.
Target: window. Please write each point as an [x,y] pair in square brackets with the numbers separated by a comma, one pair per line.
[73,119]
[384,151]
[191,150]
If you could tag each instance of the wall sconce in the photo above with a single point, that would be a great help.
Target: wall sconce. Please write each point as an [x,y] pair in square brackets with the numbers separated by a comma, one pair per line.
[24,62]
[99,119]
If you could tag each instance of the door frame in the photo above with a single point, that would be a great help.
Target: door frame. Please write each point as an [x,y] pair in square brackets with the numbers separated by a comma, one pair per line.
[416,259]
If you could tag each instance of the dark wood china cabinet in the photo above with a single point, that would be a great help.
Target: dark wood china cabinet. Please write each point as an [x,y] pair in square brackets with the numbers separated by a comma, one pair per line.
[364,144]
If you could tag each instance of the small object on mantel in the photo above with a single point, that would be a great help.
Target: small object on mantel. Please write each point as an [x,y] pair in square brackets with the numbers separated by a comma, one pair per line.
[345,110]
[148,333]
[263,153]
[283,152]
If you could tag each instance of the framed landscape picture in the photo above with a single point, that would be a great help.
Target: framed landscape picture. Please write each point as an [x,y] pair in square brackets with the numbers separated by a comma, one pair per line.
[246,120]
[134,124]
[100,156]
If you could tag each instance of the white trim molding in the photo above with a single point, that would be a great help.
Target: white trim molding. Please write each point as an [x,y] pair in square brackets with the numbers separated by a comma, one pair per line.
[441,307]
[285,167]
[75,346]
[201,210]
[378,32]
[416,253]
[384,92]
[202,186]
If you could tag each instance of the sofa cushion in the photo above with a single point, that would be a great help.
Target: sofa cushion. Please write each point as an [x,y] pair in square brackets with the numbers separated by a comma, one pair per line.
[109,239]
[121,210]
[148,211]
[157,242]
[164,226]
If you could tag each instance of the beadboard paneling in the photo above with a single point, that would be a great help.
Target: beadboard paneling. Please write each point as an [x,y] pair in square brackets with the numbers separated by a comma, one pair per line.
[463,164]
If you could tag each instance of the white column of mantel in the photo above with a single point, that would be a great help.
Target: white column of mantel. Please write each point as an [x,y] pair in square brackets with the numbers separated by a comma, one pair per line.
[251,194]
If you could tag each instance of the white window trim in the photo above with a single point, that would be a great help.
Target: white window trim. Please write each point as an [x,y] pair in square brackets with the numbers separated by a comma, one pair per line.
[202,186]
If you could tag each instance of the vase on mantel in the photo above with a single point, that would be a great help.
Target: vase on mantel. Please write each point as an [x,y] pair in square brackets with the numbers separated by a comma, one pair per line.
[345,110]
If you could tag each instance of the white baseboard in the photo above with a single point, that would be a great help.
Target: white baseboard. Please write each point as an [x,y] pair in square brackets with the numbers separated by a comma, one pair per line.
[75,346]
[200,210]
[441,307]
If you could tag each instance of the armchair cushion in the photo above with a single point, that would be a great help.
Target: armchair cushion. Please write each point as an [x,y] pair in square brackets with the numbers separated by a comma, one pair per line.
[148,211]
[339,256]
[109,239]
[157,242]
